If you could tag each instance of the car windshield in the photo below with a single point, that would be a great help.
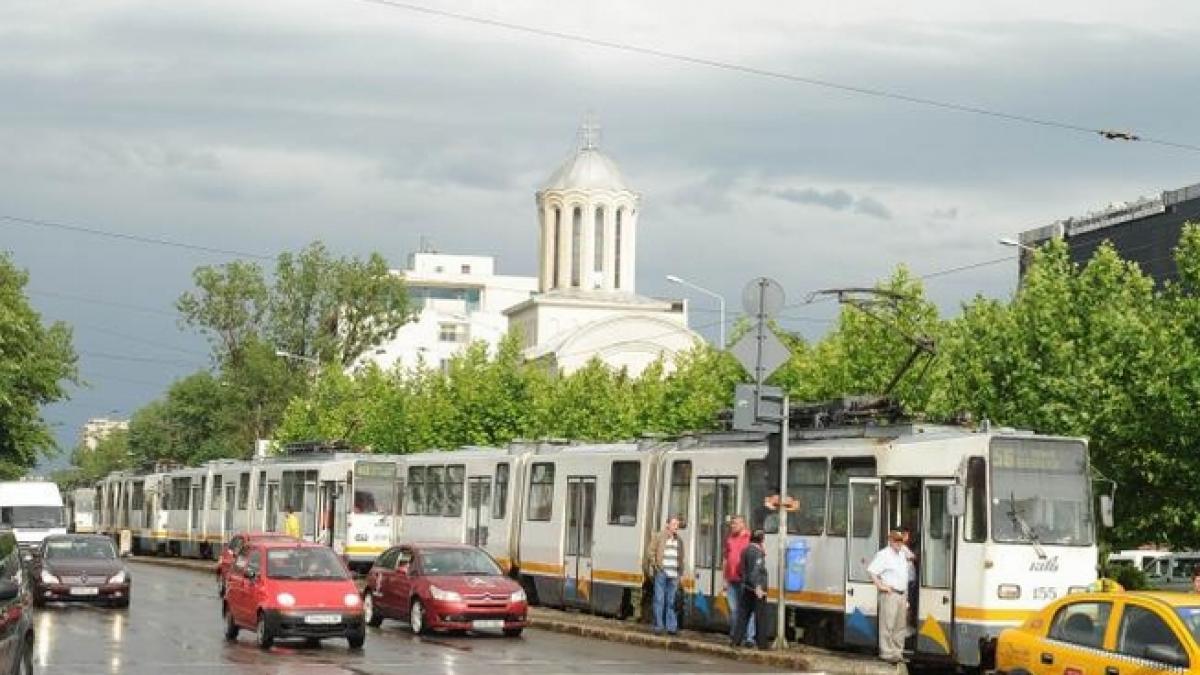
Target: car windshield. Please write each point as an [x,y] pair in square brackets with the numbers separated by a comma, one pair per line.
[449,561]
[76,549]
[31,516]
[1191,618]
[305,563]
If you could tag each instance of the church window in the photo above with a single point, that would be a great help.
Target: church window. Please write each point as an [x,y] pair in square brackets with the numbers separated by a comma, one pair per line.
[598,263]
[617,252]
[576,243]
[554,245]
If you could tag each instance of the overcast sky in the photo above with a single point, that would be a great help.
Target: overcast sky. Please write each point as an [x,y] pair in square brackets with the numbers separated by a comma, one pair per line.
[262,126]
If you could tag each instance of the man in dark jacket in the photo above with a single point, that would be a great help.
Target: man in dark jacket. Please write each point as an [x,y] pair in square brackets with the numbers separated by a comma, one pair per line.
[755,582]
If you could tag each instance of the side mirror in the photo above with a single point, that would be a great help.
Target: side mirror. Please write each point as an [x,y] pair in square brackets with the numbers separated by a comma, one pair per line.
[250,574]
[8,590]
[1106,510]
[1167,654]
[956,501]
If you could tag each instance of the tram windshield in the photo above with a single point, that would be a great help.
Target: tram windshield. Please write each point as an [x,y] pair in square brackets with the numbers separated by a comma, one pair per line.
[374,487]
[1040,492]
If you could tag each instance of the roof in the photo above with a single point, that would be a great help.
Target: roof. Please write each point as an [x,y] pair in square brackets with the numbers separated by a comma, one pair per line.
[587,169]
[287,543]
[1169,598]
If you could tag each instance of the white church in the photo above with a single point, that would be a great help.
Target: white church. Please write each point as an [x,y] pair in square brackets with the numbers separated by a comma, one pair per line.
[583,303]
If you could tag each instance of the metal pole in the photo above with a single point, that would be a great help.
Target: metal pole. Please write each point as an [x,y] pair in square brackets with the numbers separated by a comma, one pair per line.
[781,608]
[722,345]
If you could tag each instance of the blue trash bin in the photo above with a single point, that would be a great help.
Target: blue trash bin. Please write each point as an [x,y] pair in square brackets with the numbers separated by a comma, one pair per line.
[797,561]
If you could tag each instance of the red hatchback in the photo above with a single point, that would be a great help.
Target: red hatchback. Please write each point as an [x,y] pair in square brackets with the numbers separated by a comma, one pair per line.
[230,551]
[292,589]
[443,586]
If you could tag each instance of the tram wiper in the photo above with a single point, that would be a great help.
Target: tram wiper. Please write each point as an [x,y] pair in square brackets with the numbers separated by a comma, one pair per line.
[1026,530]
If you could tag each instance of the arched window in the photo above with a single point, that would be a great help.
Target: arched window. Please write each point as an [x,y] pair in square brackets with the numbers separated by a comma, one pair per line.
[576,244]
[617,251]
[598,263]
[554,244]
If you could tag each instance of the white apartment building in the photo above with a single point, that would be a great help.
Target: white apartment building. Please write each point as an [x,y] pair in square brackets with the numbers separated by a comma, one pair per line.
[97,429]
[459,299]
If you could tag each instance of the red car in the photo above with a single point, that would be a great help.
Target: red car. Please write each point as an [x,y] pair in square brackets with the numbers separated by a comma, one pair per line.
[230,551]
[292,589]
[443,586]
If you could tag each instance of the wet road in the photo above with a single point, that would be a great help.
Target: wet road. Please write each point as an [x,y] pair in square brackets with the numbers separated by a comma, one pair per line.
[174,628]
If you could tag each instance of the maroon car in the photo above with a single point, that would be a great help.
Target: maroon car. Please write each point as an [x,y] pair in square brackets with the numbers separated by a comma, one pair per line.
[80,567]
[230,551]
[443,586]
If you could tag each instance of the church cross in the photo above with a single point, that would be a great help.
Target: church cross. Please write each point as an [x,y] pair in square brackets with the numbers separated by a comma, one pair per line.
[589,133]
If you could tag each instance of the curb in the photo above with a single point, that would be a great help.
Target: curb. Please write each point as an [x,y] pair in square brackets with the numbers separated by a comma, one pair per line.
[616,631]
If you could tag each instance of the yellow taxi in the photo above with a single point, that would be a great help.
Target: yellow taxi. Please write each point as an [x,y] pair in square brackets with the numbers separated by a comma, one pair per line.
[1106,634]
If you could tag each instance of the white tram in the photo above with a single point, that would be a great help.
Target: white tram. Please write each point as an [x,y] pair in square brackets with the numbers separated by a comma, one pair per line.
[344,499]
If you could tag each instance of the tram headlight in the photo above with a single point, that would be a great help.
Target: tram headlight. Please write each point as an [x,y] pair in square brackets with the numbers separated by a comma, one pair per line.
[1008,591]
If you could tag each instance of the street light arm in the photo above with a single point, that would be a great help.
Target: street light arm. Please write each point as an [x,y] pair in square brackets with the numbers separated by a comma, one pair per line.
[720,299]
[1009,241]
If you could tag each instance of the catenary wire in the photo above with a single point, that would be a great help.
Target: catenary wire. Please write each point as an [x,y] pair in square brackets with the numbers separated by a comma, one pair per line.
[157,241]
[779,75]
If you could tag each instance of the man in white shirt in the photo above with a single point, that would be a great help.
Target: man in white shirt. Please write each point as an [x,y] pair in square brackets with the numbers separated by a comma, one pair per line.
[889,571]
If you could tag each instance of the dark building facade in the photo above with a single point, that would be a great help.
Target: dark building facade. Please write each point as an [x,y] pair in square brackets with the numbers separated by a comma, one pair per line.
[1145,231]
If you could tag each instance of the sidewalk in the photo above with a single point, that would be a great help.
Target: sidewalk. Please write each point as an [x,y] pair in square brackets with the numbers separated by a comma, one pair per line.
[798,658]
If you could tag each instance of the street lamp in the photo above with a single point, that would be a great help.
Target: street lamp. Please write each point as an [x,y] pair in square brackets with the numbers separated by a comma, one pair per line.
[307,359]
[1009,241]
[683,282]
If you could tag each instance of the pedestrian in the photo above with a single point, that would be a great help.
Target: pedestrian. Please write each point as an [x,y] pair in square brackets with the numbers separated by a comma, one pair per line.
[889,571]
[910,617]
[291,523]
[735,542]
[754,592]
[1196,581]
[666,566]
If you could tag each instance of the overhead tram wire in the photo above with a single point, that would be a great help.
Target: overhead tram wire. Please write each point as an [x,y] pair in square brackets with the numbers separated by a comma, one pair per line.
[104,303]
[1107,134]
[141,359]
[156,241]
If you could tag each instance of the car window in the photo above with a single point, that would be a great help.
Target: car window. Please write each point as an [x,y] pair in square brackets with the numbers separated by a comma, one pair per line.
[405,557]
[235,545]
[10,559]
[457,561]
[388,559]
[1081,623]
[1145,635]
[253,562]
[77,549]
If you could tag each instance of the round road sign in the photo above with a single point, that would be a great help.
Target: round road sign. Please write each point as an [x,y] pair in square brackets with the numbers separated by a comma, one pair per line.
[762,297]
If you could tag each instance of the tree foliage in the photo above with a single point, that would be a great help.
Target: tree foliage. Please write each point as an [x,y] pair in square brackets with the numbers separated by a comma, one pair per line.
[37,362]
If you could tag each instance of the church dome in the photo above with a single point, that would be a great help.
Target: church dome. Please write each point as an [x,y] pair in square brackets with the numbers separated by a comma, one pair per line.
[587,169]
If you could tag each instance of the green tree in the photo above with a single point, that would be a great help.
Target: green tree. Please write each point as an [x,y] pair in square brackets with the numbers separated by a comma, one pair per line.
[37,362]
[228,305]
[110,454]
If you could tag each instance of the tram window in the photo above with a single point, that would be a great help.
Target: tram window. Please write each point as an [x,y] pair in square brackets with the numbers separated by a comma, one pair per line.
[680,499]
[292,489]
[261,497]
[243,491]
[500,493]
[839,489]
[541,492]
[215,502]
[416,491]
[623,493]
[137,501]
[757,491]
[179,493]
[452,504]
[975,527]
[806,484]
[435,495]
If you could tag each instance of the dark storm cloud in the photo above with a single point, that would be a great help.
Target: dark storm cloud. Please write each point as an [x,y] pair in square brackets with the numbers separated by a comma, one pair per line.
[836,199]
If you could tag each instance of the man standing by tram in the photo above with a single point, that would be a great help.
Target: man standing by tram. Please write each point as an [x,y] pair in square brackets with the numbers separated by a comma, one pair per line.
[889,571]
[735,543]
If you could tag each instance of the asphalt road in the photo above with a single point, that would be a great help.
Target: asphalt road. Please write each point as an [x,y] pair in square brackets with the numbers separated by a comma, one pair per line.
[174,628]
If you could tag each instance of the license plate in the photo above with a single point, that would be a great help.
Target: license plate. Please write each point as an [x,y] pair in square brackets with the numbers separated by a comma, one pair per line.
[323,619]
[487,624]
[85,590]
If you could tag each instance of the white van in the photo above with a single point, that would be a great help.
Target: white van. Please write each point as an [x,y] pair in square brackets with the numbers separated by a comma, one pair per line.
[33,510]
[1134,558]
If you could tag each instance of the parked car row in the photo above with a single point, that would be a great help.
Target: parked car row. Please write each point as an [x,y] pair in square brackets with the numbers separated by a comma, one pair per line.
[280,587]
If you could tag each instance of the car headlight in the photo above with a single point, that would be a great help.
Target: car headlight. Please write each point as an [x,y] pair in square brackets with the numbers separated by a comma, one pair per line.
[285,599]
[444,595]
[517,596]
[48,578]
[1008,591]
[118,578]
[351,600]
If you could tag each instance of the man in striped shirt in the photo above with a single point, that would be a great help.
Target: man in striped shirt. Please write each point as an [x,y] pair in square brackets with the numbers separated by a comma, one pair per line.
[666,564]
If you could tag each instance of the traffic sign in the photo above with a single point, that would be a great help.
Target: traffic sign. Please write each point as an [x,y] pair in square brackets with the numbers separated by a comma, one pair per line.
[766,416]
[761,362]
[762,297]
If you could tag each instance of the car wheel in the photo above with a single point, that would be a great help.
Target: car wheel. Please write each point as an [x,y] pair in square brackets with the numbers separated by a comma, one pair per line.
[357,638]
[372,617]
[231,627]
[266,636]
[513,632]
[416,618]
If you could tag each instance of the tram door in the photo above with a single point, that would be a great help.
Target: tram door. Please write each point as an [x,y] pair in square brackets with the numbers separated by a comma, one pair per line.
[864,537]
[197,504]
[479,502]
[716,502]
[577,563]
[230,507]
[935,624]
